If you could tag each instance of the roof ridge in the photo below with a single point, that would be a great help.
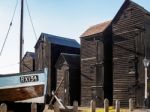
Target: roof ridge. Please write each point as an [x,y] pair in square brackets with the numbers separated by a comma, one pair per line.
[127,2]
[64,41]
[140,6]
[57,36]
[104,22]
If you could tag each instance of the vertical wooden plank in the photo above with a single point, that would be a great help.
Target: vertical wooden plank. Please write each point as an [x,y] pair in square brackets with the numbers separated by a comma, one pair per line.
[106,105]
[93,106]
[3,107]
[33,107]
[66,86]
[56,107]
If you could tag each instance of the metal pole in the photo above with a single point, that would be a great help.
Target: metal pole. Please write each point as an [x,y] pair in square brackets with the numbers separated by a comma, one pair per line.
[146,83]
[21,32]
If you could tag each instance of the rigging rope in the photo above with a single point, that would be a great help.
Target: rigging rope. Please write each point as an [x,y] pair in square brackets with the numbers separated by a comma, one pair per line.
[9,28]
[31,20]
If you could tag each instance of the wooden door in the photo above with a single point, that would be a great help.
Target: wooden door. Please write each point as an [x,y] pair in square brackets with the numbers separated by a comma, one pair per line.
[66,88]
[99,86]
[140,70]
[99,74]
[140,95]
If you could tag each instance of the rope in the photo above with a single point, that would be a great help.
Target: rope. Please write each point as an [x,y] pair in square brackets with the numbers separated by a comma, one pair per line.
[31,20]
[9,28]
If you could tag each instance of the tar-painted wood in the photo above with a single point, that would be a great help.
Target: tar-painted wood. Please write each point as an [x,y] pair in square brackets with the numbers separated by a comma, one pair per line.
[96,67]
[28,62]
[131,45]
[68,68]
[47,52]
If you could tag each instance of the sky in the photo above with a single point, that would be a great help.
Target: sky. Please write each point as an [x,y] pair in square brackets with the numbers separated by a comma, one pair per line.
[66,18]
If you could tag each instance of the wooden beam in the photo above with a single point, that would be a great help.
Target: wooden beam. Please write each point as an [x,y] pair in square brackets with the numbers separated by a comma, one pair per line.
[50,103]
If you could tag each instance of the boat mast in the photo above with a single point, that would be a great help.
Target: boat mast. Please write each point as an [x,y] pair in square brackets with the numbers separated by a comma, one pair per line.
[21,32]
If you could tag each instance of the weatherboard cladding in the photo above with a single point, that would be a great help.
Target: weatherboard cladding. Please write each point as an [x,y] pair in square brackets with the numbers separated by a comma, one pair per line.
[128,53]
[68,67]
[28,62]
[96,81]
[88,77]
[141,8]
[48,49]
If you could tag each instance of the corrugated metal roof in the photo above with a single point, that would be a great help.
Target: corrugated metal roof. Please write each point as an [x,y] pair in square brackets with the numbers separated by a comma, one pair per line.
[98,28]
[61,40]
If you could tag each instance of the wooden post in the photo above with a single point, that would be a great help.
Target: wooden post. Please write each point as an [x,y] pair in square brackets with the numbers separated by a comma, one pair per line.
[117,106]
[58,100]
[75,106]
[3,107]
[131,105]
[106,105]
[56,107]
[33,107]
[93,106]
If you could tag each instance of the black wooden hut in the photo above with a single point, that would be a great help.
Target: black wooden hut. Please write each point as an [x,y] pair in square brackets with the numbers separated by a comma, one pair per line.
[68,78]
[28,62]
[131,35]
[96,64]
[47,51]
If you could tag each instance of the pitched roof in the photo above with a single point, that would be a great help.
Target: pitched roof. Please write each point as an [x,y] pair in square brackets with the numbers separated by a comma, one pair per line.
[60,40]
[73,60]
[140,7]
[98,28]
[32,54]
[125,4]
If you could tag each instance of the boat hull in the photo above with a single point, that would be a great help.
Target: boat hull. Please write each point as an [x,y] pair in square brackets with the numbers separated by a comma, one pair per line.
[21,93]
[27,87]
